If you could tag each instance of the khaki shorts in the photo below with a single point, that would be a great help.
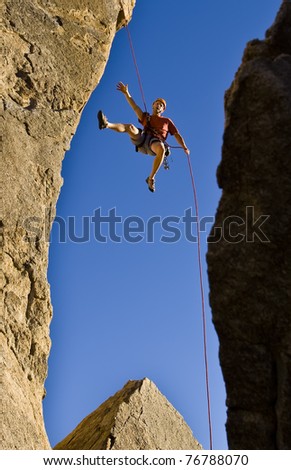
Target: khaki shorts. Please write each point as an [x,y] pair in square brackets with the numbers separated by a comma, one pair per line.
[143,142]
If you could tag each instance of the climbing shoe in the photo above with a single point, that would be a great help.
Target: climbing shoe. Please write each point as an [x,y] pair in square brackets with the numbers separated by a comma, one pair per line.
[102,120]
[151,184]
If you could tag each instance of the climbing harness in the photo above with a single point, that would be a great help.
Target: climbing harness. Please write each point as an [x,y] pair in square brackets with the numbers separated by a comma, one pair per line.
[166,163]
[152,135]
[195,199]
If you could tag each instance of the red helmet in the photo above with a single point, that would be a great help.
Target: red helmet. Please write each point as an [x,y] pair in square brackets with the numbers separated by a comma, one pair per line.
[161,100]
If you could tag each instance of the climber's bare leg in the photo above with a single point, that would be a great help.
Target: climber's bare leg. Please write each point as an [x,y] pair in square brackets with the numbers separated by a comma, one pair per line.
[130,129]
[159,149]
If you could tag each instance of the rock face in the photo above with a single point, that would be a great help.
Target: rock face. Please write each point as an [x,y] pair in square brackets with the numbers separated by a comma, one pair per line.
[249,251]
[138,417]
[55,52]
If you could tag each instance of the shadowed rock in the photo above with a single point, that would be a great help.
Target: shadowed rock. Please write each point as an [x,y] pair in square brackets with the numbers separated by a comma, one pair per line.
[137,417]
[249,251]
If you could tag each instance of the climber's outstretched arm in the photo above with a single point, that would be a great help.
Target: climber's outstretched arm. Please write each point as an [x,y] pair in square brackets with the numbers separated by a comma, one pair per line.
[181,142]
[124,89]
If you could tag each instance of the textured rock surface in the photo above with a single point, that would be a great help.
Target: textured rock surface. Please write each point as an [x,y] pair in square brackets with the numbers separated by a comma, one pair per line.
[250,267]
[137,417]
[55,52]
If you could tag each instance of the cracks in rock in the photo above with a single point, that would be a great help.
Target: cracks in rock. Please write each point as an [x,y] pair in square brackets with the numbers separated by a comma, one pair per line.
[25,77]
[32,105]
[27,54]
[27,128]
[52,18]
[121,21]
[15,353]
[32,349]
[31,294]
[16,265]
[110,442]
[58,20]
[103,23]
[131,416]
[25,89]
[123,16]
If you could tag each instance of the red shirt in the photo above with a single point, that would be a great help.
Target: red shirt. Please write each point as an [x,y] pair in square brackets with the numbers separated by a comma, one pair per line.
[162,125]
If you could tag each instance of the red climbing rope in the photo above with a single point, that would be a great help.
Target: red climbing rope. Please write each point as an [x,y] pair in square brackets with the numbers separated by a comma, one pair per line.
[199,250]
[136,66]
[202,301]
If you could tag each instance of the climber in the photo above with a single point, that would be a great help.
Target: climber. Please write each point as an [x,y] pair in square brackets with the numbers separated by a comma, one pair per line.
[150,140]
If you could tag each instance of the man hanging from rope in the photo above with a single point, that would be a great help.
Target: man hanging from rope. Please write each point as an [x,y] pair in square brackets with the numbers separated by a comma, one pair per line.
[150,140]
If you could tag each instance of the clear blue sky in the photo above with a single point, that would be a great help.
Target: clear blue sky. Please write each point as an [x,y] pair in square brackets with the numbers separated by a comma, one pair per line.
[131,310]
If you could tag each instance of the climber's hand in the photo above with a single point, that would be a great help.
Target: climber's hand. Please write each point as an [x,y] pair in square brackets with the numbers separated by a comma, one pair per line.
[123,88]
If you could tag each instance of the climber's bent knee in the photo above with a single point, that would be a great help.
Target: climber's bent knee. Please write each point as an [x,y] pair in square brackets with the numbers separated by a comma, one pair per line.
[158,148]
[131,130]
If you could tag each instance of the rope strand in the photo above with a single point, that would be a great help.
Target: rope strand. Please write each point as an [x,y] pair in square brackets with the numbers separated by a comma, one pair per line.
[202,302]
[136,67]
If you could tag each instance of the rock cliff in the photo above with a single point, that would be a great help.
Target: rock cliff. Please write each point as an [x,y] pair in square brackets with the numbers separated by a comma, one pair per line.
[249,251]
[138,417]
[55,52]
